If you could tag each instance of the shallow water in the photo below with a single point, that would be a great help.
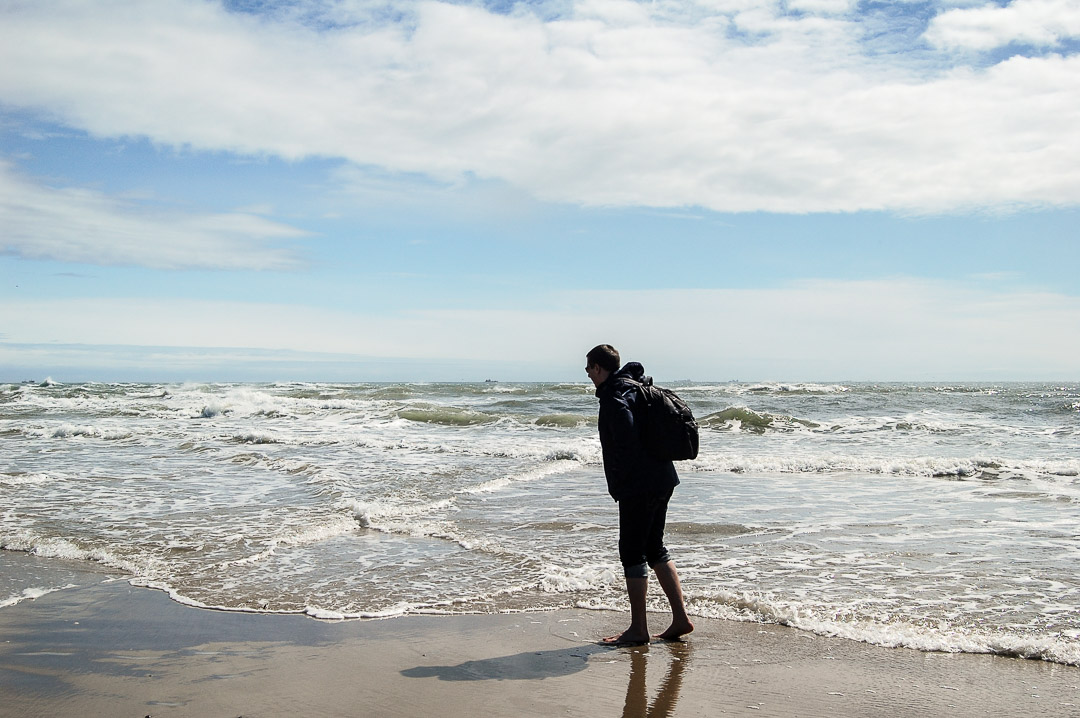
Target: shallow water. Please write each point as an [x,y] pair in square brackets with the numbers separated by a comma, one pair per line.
[932,516]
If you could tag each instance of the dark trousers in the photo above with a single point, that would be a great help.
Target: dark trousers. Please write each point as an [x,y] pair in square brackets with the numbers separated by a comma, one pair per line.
[641,533]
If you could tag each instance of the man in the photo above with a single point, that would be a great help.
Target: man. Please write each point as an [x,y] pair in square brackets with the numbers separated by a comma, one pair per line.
[642,486]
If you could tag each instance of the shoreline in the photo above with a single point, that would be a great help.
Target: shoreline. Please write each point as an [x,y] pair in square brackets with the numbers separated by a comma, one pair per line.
[109,648]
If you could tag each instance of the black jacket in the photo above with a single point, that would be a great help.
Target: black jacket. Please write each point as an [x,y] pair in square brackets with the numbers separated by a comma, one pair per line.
[629,468]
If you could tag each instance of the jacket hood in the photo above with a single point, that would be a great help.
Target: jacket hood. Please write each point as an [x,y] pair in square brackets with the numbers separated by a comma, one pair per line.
[630,370]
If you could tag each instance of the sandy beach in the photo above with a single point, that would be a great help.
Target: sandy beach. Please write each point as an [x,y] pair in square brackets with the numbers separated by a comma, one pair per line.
[110,649]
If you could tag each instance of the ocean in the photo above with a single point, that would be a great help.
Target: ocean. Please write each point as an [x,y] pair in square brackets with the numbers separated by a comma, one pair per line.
[932,516]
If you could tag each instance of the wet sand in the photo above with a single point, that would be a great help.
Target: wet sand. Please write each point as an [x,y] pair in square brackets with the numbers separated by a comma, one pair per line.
[108,649]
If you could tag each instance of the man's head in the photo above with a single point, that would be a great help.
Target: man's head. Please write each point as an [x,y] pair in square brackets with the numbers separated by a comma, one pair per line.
[601,362]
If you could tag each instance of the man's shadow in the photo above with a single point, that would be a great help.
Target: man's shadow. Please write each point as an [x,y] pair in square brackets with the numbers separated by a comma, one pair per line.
[527,666]
[538,665]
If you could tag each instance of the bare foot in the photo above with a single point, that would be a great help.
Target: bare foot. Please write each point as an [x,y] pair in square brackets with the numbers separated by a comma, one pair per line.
[676,630]
[627,638]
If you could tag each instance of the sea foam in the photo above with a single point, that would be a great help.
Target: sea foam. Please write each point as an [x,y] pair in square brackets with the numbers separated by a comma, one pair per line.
[29,594]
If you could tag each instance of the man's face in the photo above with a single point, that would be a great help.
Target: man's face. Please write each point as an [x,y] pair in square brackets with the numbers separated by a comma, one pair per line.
[597,374]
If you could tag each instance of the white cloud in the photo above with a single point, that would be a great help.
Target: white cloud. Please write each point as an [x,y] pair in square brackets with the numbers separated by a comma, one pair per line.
[819,330]
[75,224]
[1043,23]
[605,105]
[825,7]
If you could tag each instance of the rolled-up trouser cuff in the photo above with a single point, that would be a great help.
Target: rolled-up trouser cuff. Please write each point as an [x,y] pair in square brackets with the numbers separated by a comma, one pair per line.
[641,570]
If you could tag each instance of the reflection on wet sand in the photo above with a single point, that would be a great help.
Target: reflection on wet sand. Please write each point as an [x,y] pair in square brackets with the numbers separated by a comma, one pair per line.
[676,654]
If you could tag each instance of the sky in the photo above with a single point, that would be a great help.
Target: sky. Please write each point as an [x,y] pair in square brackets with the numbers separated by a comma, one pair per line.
[399,190]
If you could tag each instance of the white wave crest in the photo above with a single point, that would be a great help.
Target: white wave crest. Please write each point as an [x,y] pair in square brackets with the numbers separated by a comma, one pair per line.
[374,514]
[25,479]
[256,437]
[53,547]
[916,466]
[209,411]
[795,388]
[572,579]
[555,467]
[29,594]
[314,534]
[67,431]
[892,634]
[419,520]
[587,454]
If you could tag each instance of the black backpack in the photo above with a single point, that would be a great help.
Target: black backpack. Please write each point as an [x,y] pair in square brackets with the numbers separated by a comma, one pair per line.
[670,432]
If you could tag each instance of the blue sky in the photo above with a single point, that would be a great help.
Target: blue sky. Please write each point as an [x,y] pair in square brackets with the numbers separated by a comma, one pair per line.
[809,190]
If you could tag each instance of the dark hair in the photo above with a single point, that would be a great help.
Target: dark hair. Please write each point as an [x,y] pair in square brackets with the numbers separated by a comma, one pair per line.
[605,356]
